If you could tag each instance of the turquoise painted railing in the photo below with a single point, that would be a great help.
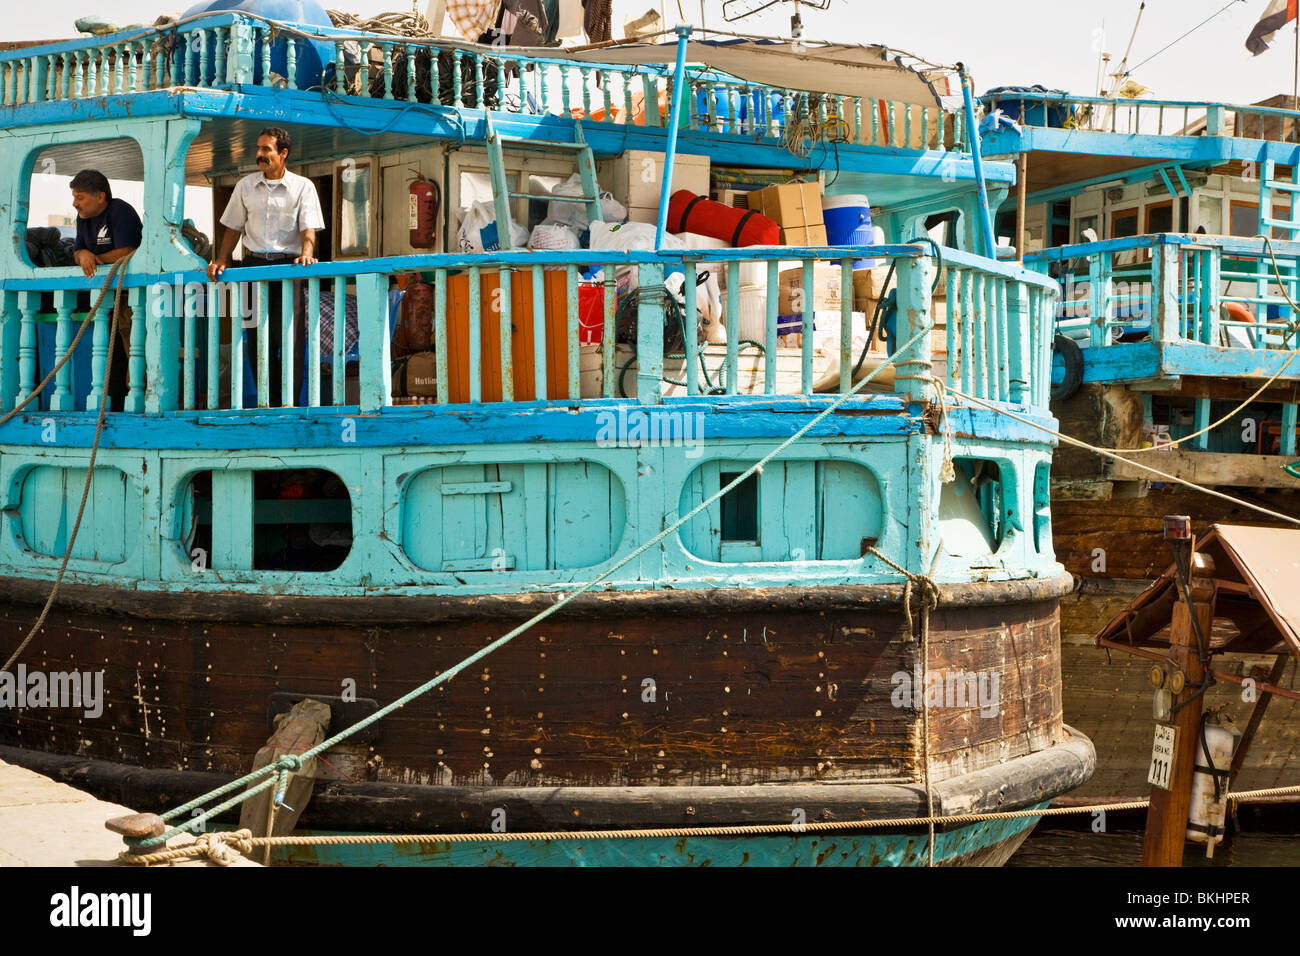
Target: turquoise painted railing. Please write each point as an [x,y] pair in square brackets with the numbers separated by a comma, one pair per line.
[999,333]
[1158,117]
[1183,282]
[221,51]
[603,92]
[996,338]
[217,51]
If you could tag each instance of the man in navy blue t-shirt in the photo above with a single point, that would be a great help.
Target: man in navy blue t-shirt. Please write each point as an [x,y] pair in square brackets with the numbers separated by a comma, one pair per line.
[107,228]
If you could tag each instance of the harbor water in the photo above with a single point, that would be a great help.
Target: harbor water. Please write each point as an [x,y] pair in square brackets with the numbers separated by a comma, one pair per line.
[1055,847]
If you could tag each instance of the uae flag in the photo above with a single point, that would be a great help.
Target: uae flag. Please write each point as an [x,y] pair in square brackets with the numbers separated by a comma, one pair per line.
[1278,15]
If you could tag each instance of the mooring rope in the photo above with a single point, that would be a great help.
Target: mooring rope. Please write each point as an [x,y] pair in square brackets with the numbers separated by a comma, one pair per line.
[1107,453]
[118,270]
[209,844]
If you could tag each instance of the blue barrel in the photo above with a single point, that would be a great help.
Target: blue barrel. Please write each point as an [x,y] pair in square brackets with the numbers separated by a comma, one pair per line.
[848,223]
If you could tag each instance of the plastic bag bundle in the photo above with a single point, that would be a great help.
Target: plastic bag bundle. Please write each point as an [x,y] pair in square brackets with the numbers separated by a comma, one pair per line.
[478,230]
[553,236]
[627,236]
[574,214]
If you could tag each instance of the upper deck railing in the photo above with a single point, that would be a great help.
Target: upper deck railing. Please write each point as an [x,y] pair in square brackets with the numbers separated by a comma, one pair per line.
[226,51]
[1174,288]
[1150,117]
[188,339]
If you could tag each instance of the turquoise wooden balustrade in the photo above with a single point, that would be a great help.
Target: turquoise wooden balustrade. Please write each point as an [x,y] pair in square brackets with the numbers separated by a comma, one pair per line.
[996,336]
[222,51]
[1158,117]
[998,333]
[1169,312]
[1182,281]
[213,51]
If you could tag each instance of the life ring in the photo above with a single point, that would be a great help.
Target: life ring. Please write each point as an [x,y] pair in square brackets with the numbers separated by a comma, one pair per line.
[1236,312]
[1072,358]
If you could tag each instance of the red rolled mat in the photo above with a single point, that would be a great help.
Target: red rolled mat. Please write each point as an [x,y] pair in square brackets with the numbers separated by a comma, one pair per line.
[688,212]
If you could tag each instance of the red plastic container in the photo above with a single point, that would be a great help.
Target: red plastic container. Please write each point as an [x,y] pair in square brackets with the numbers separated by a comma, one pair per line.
[591,313]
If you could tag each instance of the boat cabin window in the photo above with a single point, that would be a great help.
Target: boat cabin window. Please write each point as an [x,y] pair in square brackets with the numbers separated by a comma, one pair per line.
[1123,223]
[469,181]
[1060,223]
[354,187]
[1244,219]
[739,508]
[51,227]
[1160,217]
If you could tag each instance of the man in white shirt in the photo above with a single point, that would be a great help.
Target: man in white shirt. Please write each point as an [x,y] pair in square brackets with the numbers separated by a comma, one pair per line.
[277,213]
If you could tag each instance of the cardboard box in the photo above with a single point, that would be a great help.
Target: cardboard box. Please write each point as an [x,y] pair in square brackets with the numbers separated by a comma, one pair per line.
[791,205]
[636,178]
[869,285]
[804,235]
[648,214]
[938,309]
[826,289]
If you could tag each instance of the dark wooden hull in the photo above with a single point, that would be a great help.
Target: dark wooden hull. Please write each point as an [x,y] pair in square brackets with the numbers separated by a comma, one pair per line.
[756,695]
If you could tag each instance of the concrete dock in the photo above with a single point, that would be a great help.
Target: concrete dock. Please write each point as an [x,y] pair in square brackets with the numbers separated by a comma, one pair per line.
[47,823]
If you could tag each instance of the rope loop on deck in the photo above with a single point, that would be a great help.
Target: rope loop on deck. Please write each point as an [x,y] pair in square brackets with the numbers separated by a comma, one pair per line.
[223,849]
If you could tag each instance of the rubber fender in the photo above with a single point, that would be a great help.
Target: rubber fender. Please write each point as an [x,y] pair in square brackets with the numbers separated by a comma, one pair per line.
[1072,356]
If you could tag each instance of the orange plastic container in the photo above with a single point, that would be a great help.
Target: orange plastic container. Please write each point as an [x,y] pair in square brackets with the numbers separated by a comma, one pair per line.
[522,338]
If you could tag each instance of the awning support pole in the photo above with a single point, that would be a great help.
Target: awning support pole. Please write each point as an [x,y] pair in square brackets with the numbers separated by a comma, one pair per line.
[973,130]
[675,116]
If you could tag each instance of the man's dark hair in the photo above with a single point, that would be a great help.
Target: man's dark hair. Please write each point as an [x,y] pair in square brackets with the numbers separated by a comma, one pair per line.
[281,137]
[91,181]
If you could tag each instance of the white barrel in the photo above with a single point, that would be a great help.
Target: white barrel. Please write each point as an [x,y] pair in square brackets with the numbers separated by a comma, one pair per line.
[753,313]
[753,273]
[1206,811]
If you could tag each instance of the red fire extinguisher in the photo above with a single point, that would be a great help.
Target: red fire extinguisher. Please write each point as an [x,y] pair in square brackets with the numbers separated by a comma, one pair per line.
[424,199]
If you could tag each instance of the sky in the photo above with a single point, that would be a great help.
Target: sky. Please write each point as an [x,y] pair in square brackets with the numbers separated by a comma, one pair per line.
[1010,42]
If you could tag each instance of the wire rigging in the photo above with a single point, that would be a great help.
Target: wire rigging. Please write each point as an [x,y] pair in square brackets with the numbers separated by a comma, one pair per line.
[1129,72]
